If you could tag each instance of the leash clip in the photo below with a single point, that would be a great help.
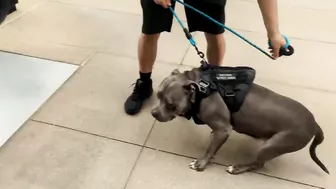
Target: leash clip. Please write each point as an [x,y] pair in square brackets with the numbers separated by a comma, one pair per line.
[193,42]
[199,53]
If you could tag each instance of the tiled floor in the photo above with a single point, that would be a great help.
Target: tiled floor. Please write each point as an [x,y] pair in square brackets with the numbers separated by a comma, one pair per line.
[81,137]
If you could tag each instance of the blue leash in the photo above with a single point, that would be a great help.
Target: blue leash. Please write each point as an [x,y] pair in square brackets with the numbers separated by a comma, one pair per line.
[286,50]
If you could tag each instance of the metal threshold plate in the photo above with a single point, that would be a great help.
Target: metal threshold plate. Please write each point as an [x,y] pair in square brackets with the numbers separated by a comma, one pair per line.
[25,84]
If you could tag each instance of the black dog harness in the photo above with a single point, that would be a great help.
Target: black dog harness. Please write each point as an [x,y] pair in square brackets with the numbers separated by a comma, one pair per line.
[232,83]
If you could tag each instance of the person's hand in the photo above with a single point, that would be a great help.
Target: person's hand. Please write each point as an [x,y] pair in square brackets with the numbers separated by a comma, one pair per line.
[163,3]
[277,41]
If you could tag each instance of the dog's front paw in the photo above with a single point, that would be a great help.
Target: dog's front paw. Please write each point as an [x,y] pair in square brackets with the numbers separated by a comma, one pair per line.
[198,165]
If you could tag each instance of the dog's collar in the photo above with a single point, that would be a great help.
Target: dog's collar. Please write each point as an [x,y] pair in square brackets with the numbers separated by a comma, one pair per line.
[195,107]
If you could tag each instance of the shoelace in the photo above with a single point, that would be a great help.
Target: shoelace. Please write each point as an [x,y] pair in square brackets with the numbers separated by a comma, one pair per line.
[135,94]
[136,91]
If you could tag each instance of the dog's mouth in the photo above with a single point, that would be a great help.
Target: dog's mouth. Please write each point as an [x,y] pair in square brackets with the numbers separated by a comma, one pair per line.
[185,112]
[159,119]
[162,118]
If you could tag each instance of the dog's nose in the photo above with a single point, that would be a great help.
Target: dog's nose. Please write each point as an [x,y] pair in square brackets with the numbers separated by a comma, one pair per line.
[155,113]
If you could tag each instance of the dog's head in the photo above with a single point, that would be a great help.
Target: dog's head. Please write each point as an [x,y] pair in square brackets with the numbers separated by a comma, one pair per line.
[176,93]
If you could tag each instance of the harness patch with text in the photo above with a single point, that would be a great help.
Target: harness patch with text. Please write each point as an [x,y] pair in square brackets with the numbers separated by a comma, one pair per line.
[232,83]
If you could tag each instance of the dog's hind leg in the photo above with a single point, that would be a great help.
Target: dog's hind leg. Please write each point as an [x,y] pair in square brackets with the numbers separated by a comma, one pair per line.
[279,144]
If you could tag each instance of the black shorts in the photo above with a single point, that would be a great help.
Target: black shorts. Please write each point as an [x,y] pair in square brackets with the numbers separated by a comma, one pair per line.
[157,19]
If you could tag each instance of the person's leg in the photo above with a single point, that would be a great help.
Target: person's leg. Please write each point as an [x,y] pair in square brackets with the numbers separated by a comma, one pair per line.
[213,33]
[215,49]
[4,9]
[147,50]
[156,19]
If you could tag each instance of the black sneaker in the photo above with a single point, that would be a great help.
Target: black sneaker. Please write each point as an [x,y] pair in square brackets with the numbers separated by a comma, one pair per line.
[141,92]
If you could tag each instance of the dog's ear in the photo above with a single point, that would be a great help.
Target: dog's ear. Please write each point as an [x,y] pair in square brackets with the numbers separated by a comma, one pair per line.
[191,88]
[175,72]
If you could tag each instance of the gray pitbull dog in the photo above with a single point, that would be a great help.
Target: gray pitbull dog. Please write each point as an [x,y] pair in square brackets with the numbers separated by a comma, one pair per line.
[285,124]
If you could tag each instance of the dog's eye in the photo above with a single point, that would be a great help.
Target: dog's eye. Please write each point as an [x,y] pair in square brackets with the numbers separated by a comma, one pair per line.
[171,106]
[159,94]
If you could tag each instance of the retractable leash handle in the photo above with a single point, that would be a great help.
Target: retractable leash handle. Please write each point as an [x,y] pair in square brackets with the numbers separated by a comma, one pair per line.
[286,50]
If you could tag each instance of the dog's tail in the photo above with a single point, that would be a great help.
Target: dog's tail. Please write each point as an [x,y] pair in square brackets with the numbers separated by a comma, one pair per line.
[319,137]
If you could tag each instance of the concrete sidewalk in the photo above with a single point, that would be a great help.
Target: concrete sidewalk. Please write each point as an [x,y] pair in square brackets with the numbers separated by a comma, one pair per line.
[82,139]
